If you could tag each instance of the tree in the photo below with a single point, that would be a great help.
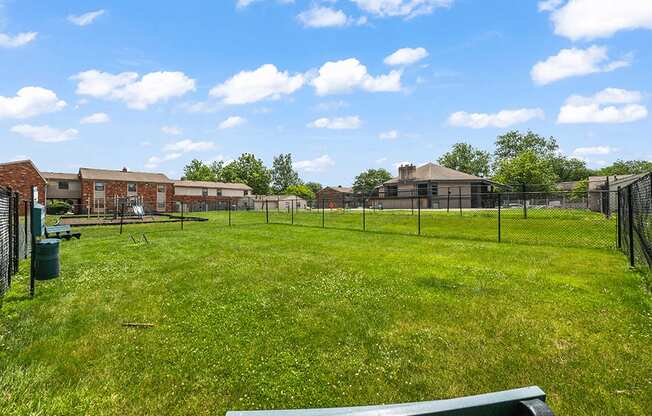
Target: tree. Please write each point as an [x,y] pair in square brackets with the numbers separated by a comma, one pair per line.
[513,143]
[580,191]
[370,179]
[283,175]
[302,191]
[626,167]
[526,169]
[467,159]
[197,170]
[247,169]
[314,186]
[570,169]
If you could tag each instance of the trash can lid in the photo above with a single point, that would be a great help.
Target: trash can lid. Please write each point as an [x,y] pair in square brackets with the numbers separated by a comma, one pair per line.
[54,241]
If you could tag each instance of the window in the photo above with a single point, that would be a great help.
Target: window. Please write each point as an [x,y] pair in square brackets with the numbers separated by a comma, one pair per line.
[131,187]
[63,185]
[391,191]
[422,189]
[435,189]
[219,192]
[246,193]
[161,189]
[204,192]
[99,186]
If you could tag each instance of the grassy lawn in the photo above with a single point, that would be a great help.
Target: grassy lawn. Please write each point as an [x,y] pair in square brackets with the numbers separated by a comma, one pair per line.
[272,316]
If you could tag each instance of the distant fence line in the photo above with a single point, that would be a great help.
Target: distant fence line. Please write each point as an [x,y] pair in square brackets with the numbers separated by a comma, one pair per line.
[635,221]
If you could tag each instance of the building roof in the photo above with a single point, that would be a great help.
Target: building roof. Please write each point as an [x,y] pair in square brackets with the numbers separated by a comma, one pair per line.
[29,162]
[212,185]
[122,176]
[57,175]
[433,172]
[275,198]
[342,189]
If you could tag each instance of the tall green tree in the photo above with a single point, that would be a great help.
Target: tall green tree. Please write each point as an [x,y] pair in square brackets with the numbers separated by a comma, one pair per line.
[197,170]
[526,169]
[466,158]
[302,191]
[626,167]
[250,170]
[366,181]
[570,169]
[283,174]
[513,143]
[314,186]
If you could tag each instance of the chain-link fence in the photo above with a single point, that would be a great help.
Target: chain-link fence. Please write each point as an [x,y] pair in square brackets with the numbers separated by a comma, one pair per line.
[9,241]
[635,221]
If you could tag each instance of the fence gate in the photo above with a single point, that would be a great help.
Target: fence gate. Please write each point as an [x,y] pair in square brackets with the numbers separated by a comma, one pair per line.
[9,205]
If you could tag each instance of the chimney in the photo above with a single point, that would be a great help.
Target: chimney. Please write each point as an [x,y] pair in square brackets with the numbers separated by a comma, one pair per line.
[124,169]
[407,172]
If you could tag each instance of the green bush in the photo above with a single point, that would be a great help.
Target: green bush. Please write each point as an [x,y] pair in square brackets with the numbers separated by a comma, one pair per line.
[57,207]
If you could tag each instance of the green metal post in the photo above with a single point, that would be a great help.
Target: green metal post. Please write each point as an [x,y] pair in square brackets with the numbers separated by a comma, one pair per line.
[500,204]
[630,214]
[419,214]
[364,217]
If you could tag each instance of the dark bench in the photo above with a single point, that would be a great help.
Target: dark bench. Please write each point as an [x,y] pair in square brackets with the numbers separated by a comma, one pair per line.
[61,232]
[528,401]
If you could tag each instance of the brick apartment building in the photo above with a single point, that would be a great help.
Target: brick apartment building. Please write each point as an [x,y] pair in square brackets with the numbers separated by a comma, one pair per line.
[101,188]
[21,176]
[205,196]
[334,197]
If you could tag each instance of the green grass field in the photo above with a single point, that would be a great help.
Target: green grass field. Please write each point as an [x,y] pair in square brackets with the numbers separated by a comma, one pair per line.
[273,316]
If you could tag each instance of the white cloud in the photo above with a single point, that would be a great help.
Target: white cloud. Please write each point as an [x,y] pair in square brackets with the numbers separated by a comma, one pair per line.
[337,123]
[137,94]
[266,82]
[86,18]
[319,164]
[404,8]
[406,56]
[590,19]
[45,134]
[549,5]
[594,150]
[97,118]
[29,102]
[240,4]
[345,76]
[381,160]
[188,145]
[504,118]
[172,130]
[574,62]
[611,105]
[388,135]
[232,122]
[155,161]
[21,39]
[320,16]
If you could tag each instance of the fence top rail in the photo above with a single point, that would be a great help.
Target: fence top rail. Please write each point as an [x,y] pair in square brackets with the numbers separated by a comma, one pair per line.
[503,402]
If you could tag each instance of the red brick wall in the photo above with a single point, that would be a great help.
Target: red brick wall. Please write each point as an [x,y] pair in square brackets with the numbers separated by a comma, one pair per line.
[20,177]
[112,188]
[333,199]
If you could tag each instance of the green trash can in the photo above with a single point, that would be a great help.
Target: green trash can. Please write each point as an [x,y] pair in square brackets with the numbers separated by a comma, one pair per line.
[46,259]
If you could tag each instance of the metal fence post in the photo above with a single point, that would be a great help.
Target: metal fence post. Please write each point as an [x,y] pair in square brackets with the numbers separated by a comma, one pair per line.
[630,214]
[32,265]
[16,232]
[448,201]
[10,215]
[364,214]
[229,202]
[292,211]
[460,198]
[619,221]
[182,209]
[419,215]
[122,216]
[500,204]
[323,213]
[26,229]
[524,202]
[267,211]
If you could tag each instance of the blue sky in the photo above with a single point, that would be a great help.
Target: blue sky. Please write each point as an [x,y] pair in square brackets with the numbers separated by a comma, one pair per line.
[343,85]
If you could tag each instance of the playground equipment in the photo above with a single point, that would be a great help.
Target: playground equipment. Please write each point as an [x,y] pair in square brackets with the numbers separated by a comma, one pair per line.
[128,206]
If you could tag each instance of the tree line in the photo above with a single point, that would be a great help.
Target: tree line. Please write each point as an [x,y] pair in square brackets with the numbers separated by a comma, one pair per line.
[281,179]
[518,159]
